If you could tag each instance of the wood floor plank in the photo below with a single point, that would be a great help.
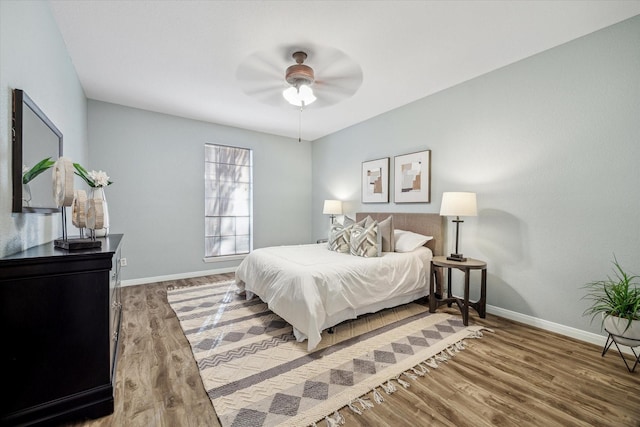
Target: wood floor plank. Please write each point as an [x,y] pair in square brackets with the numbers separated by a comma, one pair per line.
[539,405]
[517,376]
[594,393]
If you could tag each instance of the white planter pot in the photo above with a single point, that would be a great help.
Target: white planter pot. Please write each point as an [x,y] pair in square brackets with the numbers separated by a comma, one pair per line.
[616,327]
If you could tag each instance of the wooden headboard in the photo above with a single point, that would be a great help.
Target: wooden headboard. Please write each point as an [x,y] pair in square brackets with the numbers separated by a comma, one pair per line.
[428,224]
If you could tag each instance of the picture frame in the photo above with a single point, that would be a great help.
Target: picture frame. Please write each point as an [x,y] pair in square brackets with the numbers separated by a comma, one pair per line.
[412,177]
[375,181]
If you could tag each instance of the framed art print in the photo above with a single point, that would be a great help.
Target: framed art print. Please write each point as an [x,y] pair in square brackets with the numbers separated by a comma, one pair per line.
[413,178]
[375,181]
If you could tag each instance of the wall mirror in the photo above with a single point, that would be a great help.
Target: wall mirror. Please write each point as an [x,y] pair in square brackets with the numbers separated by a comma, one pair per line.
[35,138]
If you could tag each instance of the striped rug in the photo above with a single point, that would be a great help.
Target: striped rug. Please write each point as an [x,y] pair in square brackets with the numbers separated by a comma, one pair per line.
[256,374]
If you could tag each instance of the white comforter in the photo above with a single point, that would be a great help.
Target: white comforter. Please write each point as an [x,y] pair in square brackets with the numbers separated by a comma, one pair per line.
[314,288]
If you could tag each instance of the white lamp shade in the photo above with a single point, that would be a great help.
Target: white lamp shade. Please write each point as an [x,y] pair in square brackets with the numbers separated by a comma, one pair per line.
[458,204]
[332,207]
[296,96]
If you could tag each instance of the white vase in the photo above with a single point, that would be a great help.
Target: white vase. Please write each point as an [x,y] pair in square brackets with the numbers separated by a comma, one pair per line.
[617,327]
[26,195]
[98,193]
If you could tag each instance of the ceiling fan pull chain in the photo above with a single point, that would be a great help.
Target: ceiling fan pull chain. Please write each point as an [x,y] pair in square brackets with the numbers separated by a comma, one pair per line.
[300,124]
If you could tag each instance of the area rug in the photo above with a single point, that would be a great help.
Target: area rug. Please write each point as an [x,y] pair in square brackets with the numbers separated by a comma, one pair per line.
[256,374]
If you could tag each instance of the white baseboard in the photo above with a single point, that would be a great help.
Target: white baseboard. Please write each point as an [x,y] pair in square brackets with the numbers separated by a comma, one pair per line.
[568,331]
[145,280]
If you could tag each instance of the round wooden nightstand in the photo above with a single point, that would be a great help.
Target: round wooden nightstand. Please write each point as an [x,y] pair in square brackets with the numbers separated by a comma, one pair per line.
[463,303]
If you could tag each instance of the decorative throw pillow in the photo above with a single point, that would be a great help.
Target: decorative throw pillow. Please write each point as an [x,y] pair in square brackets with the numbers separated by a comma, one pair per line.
[365,222]
[364,241]
[339,236]
[385,230]
[347,221]
[407,241]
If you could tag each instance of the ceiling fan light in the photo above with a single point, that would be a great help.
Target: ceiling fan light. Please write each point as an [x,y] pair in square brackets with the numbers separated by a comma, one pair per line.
[291,95]
[298,96]
[306,94]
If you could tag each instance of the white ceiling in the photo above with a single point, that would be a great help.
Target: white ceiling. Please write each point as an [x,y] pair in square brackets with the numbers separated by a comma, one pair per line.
[184,58]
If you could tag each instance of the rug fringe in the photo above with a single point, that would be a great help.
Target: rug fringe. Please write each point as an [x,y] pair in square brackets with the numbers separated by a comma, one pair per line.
[377,397]
[389,387]
[410,375]
[402,382]
[365,403]
[354,408]
[334,421]
[431,363]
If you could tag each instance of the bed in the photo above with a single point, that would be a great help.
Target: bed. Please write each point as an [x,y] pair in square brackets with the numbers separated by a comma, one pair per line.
[313,288]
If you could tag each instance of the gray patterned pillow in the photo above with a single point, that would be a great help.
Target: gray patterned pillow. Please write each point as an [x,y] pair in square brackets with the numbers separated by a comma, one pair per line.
[347,221]
[339,236]
[365,241]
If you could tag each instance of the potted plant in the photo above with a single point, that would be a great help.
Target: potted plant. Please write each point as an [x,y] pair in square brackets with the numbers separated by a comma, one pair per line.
[617,300]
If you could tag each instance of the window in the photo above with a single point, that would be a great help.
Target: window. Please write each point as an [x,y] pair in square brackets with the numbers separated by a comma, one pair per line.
[228,199]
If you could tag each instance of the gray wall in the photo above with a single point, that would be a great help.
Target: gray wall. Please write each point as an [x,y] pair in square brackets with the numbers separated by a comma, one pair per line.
[551,147]
[33,57]
[156,162]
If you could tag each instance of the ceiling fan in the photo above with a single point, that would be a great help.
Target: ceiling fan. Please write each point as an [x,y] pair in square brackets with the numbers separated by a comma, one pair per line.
[316,76]
[300,77]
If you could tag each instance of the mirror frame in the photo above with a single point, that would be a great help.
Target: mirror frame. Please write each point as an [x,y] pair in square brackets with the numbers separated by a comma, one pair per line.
[20,100]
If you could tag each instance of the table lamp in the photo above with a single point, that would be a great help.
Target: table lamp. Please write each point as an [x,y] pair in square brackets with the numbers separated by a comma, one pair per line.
[458,204]
[332,208]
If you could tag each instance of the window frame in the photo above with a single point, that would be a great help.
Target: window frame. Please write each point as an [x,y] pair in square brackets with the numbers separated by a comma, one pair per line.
[218,171]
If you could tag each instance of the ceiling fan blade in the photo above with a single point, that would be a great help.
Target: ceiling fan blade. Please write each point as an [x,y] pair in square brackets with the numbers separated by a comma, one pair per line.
[338,77]
[258,77]
[273,98]
[345,75]
[256,87]
[264,89]
[327,100]
[347,85]
[333,63]
[259,65]
[333,92]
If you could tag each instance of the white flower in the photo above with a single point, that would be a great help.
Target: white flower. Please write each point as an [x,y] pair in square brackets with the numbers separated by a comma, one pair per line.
[100,178]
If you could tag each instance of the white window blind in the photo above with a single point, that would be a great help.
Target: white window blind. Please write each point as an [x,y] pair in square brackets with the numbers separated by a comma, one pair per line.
[228,187]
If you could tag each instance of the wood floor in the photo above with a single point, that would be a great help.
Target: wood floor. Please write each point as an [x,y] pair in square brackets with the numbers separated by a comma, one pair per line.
[516,376]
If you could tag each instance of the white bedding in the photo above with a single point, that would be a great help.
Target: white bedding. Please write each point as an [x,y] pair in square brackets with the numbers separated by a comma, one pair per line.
[314,288]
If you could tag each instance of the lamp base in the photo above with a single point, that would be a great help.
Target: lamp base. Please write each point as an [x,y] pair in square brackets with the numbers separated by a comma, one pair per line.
[456,257]
[76,244]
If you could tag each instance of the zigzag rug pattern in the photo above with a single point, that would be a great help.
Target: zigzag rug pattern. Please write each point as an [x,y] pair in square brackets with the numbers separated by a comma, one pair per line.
[257,374]
[236,353]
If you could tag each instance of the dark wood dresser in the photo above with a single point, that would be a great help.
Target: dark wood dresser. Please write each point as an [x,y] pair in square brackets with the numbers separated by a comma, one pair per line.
[60,314]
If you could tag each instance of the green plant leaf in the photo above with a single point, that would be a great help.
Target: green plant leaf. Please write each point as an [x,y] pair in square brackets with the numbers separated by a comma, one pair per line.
[82,173]
[617,296]
[36,170]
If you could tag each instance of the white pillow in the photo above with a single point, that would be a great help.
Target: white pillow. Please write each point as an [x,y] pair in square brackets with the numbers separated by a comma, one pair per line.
[407,241]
